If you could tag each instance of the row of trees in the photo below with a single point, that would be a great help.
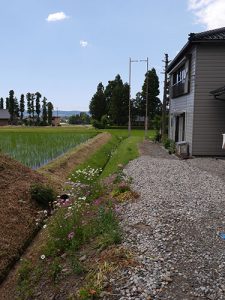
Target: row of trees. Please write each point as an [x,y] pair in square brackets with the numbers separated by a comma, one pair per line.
[112,102]
[81,118]
[39,112]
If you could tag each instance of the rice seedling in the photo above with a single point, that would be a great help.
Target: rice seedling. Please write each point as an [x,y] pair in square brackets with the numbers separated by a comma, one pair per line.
[35,148]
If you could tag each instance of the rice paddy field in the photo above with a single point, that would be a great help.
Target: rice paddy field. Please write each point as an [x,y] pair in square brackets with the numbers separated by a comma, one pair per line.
[34,147]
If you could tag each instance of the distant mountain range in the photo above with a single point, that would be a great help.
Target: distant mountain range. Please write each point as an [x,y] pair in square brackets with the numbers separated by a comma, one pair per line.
[67,113]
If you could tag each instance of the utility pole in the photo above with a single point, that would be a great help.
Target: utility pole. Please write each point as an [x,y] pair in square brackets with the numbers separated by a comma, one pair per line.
[146,103]
[129,113]
[165,98]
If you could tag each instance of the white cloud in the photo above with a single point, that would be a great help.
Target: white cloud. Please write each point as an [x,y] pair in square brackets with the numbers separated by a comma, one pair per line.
[83,43]
[59,16]
[208,12]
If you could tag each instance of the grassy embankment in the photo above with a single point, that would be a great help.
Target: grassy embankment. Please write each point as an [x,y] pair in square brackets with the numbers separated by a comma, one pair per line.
[118,151]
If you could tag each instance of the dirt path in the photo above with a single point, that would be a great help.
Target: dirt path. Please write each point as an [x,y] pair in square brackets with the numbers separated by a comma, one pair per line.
[173,230]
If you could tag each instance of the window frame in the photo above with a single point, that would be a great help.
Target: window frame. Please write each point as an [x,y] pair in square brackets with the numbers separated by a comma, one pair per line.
[180,79]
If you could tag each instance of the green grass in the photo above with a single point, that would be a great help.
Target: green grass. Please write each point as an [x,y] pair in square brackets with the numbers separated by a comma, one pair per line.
[37,146]
[126,151]
[97,161]
[118,151]
[134,132]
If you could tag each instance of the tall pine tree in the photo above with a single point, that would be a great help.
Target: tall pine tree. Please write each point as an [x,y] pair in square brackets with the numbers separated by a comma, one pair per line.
[117,95]
[16,109]
[1,103]
[44,111]
[154,104]
[38,106]
[22,106]
[28,96]
[50,112]
[32,108]
[11,107]
[97,105]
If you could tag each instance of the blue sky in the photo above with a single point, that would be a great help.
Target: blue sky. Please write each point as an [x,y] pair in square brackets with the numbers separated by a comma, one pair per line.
[64,48]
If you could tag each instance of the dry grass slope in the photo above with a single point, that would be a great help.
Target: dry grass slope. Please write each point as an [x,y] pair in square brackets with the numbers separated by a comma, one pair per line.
[17,211]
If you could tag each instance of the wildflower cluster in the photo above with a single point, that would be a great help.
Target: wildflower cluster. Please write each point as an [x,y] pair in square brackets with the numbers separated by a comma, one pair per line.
[41,217]
[86,175]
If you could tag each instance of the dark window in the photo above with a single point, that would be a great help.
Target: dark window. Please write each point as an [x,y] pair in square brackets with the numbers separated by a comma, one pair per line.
[180,81]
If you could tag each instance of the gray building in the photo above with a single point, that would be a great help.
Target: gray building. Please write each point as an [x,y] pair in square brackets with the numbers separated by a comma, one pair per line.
[197,93]
[4,117]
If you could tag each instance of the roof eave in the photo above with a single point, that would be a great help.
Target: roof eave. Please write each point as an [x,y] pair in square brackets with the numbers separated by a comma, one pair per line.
[185,49]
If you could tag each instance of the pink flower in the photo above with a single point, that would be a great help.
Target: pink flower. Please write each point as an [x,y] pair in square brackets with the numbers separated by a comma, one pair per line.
[66,203]
[97,202]
[71,235]
[117,209]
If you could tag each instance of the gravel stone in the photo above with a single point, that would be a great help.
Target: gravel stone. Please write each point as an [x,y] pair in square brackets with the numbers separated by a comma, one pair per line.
[172,229]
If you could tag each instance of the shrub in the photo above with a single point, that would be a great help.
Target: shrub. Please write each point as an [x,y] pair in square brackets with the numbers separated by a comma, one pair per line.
[97,124]
[156,122]
[105,121]
[157,136]
[120,189]
[42,194]
[172,148]
[170,145]
[166,143]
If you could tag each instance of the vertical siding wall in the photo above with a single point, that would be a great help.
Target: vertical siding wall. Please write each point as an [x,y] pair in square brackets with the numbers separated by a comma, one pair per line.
[185,104]
[209,114]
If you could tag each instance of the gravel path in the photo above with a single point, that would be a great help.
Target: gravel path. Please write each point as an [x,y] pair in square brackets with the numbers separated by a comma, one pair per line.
[173,230]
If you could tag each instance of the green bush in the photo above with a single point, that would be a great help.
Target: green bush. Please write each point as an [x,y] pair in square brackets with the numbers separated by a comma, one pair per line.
[97,124]
[166,143]
[156,122]
[170,145]
[157,136]
[42,194]
[105,121]
[172,148]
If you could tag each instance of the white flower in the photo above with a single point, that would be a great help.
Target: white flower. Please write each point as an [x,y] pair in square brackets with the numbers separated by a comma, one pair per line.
[42,256]
[45,226]
[45,212]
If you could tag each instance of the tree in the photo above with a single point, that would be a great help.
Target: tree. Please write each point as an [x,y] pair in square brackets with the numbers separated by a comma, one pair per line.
[138,107]
[11,106]
[117,95]
[22,106]
[32,98]
[97,105]
[7,102]
[154,104]
[16,108]
[44,111]
[28,96]
[74,119]
[109,90]
[38,106]
[1,103]
[84,118]
[50,110]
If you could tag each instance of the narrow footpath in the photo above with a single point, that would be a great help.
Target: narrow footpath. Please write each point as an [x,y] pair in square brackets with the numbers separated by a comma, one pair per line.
[174,230]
